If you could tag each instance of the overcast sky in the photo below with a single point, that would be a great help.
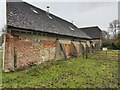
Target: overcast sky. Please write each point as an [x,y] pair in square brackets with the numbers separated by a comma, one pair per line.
[81,13]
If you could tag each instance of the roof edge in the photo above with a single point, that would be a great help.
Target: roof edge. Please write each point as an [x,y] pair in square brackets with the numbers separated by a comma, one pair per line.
[8,26]
[15,1]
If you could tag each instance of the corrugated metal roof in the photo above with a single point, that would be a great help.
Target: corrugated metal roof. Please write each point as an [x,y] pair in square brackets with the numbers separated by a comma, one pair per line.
[24,15]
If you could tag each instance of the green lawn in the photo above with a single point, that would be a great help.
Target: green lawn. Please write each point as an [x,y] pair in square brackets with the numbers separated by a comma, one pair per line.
[75,73]
[1,59]
[105,55]
[0,69]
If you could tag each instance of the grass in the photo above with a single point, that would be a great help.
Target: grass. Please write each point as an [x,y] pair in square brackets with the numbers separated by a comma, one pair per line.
[105,55]
[1,59]
[0,69]
[75,73]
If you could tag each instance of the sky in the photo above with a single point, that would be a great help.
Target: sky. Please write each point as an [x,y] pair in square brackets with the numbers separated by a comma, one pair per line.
[2,14]
[83,14]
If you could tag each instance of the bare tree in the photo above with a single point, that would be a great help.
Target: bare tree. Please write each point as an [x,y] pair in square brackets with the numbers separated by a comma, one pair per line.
[114,27]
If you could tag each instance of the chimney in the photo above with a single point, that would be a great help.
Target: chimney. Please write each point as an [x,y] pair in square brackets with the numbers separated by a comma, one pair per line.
[48,9]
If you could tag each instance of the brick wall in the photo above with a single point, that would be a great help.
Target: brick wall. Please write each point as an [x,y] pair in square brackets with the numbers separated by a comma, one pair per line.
[78,47]
[23,50]
[26,53]
[9,53]
[47,50]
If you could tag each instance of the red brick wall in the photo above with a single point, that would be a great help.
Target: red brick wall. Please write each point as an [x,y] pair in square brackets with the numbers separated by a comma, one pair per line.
[67,49]
[70,50]
[26,53]
[47,50]
[21,53]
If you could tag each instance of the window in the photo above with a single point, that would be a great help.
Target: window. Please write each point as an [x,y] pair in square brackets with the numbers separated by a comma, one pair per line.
[34,10]
[71,28]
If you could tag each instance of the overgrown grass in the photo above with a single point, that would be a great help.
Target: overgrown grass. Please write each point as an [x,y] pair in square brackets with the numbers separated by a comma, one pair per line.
[1,59]
[75,73]
[0,69]
[105,55]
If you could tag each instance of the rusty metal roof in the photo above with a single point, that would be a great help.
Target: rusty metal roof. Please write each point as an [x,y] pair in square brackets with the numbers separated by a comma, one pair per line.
[26,16]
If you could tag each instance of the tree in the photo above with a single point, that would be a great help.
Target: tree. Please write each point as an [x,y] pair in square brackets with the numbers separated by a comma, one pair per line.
[114,27]
[117,41]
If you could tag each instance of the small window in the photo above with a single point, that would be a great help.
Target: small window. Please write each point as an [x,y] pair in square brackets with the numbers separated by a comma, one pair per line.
[71,28]
[34,10]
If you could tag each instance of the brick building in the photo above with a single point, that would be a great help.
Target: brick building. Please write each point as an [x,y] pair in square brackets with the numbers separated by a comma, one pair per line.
[34,36]
[96,34]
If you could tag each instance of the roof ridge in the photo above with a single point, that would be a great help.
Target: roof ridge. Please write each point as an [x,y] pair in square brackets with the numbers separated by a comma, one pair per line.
[89,27]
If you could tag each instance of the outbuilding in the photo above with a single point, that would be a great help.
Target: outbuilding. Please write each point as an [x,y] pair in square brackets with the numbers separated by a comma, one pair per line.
[34,36]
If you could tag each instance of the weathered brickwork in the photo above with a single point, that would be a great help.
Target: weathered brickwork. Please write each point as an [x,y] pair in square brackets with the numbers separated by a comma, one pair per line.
[20,53]
[26,53]
[78,48]
[47,50]
[24,50]
[59,51]
[9,53]
[67,49]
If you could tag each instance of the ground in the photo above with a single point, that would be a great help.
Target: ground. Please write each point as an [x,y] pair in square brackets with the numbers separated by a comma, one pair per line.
[75,73]
[1,58]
